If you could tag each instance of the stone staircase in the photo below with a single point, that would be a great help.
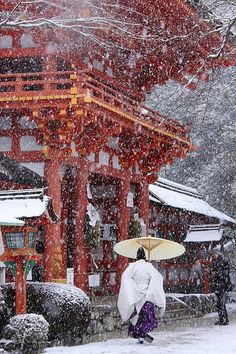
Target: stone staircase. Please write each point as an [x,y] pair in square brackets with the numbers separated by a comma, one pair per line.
[176,309]
[106,322]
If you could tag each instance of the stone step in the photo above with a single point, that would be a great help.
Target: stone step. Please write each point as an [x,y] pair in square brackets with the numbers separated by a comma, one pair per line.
[112,301]
[175,311]
[179,311]
[106,319]
[175,306]
[180,315]
[108,304]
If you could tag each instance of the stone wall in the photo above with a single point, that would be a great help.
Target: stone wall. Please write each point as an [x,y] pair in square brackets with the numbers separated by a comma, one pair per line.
[105,317]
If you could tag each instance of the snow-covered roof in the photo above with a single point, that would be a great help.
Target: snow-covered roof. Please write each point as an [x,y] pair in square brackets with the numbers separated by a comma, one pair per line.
[14,172]
[6,220]
[23,204]
[204,233]
[179,196]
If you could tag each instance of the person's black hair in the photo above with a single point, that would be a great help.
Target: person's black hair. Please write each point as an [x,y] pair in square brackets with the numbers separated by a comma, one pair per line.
[141,254]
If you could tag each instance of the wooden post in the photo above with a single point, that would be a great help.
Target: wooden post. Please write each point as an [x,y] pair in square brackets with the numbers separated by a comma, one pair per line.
[106,264]
[53,232]
[81,252]
[20,288]
[122,226]
[143,203]
[206,284]
[66,204]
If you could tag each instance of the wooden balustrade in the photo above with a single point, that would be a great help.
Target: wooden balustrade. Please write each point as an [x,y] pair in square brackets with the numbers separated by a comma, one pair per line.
[63,82]
[119,100]
[50,82]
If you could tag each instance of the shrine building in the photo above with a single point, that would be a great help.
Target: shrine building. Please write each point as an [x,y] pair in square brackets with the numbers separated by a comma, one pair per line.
[72,109]
[178,213]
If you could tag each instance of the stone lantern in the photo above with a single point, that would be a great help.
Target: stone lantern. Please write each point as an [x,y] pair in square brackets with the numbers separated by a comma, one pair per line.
[20,256]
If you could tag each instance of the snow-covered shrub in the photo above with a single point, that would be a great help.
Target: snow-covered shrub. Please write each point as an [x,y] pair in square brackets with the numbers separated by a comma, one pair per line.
[66,308]
[27,333]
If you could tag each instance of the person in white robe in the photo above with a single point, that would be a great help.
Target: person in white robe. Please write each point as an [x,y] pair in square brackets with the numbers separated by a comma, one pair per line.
[141,293]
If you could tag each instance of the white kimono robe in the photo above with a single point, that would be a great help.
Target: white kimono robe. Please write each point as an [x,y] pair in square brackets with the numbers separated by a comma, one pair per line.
[140,282]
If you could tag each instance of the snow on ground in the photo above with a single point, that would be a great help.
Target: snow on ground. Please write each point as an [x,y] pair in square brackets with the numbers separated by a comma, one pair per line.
[195,336]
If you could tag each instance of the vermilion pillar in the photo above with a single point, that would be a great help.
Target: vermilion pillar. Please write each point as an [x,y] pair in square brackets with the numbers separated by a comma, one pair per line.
[81,252]
[143,202]
[65,190]
[122,225]
[20,287]
[53,231]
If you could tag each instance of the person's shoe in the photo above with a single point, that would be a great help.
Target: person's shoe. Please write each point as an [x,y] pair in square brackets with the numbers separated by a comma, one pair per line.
[148,338]
[223,323]
[140,340]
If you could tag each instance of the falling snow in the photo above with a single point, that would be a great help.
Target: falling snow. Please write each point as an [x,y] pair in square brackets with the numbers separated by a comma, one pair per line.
[147,52]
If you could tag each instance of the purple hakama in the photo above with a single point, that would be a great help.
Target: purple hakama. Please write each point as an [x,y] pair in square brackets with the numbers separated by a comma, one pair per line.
[146,321]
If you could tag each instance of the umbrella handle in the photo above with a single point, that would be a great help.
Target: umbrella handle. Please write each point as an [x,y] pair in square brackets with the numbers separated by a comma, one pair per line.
[149,252]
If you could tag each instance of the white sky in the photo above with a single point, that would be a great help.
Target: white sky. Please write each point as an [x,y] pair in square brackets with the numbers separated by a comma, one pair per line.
[199,336]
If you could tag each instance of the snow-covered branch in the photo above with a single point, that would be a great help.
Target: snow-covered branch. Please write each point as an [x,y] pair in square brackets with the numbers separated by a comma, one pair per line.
[225,33]
[221,16]
[104,17]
